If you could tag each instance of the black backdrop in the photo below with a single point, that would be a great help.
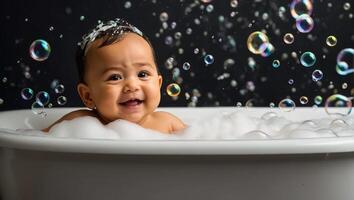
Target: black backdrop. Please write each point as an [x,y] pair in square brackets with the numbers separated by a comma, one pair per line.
[214,28]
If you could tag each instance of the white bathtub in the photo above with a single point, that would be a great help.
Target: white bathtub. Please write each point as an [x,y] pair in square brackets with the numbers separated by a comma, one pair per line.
[48,168]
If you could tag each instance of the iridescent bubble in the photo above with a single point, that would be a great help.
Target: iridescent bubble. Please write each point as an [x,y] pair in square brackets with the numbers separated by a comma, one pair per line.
[61,100]
[186,66]
[317,75]
[318,100]
[304,100]
[208,59]
[173,89]
[276,63]
[288,38]
[59,89]
[308,59]
[287,105]
[338,104]
[304,23]
[344,86]
[268,49]
[345,61]
[39,50]
[42,97]
[299,7]
[331,41]
[82,18]
[255,41]
[38,109]
[209,8]
[27,93]
[291,81]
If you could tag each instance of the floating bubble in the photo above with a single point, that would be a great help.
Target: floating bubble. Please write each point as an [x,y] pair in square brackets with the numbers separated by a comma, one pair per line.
[238,104]
[346,6]
[39,50]
[338,101]
[1,101]
[288,38]
[304,23]
[345,61]
[173,89]
[291,81]
[344,86]
[186,66]
[250,103]
[61,100]
[38,109]
[208,59]
[331,41]
[163,17]
[268,49]
[304,100]
[234,3]
[317,75]
[209,8]
[308,59]
[82,18]
[59,89]
[255,41]
[300,7]
[318,100]
[271,105]
[127,4]
[42,97]
[276,63]
[287,105]
[27,93]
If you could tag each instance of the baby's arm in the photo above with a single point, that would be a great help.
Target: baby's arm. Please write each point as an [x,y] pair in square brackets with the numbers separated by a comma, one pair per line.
[173,122]
[70,116]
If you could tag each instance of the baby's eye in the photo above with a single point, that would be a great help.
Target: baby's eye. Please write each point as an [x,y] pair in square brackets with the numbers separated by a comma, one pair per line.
[114,77]
[143,74]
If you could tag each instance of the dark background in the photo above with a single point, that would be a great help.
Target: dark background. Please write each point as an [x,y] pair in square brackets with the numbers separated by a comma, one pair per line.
[222,33]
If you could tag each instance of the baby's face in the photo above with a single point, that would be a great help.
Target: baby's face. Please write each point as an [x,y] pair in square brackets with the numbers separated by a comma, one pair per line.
[122,81]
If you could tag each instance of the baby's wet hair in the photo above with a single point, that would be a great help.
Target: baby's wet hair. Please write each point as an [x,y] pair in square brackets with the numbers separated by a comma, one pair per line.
[111,31]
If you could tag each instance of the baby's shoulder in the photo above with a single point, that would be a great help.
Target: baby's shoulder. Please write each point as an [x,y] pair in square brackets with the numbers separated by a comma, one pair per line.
[175,123]
[79,113]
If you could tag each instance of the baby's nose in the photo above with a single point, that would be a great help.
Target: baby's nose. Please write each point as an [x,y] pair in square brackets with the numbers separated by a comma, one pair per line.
[131,85]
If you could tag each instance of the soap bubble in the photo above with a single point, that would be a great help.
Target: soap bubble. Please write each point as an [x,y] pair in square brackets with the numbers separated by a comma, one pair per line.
[269,115]
[27,93]
[288,38]
[186,66]
[38,109]
[304,23]
[42,97]
[287,105]
[276,63]
[233,3]
[39,50]
[318,100]
[61,100]
[173,89]
[308,59]
[346,6]
[255,41]
[317,75]
[208,59]
[304,100]
[163,17]
[345,61]
[59,89]
[300,7]
[331,41]
[338,101]
[268,49]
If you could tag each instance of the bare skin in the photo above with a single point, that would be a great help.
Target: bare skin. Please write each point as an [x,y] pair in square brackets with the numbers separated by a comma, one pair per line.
[122,82]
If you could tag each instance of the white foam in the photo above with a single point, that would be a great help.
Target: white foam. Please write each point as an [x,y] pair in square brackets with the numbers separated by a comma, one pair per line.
[222,126]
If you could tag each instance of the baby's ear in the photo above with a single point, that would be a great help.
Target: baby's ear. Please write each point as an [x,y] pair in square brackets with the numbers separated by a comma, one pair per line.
[160,81]
[85,95]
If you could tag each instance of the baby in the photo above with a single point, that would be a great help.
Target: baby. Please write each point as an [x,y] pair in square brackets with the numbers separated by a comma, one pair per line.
[119,78]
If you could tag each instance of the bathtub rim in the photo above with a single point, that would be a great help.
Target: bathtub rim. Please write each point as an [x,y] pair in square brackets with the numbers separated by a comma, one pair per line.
[177,147]
[174,147]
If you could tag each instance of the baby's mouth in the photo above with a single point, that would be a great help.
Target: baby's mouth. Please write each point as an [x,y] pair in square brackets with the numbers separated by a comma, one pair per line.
[132,102]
